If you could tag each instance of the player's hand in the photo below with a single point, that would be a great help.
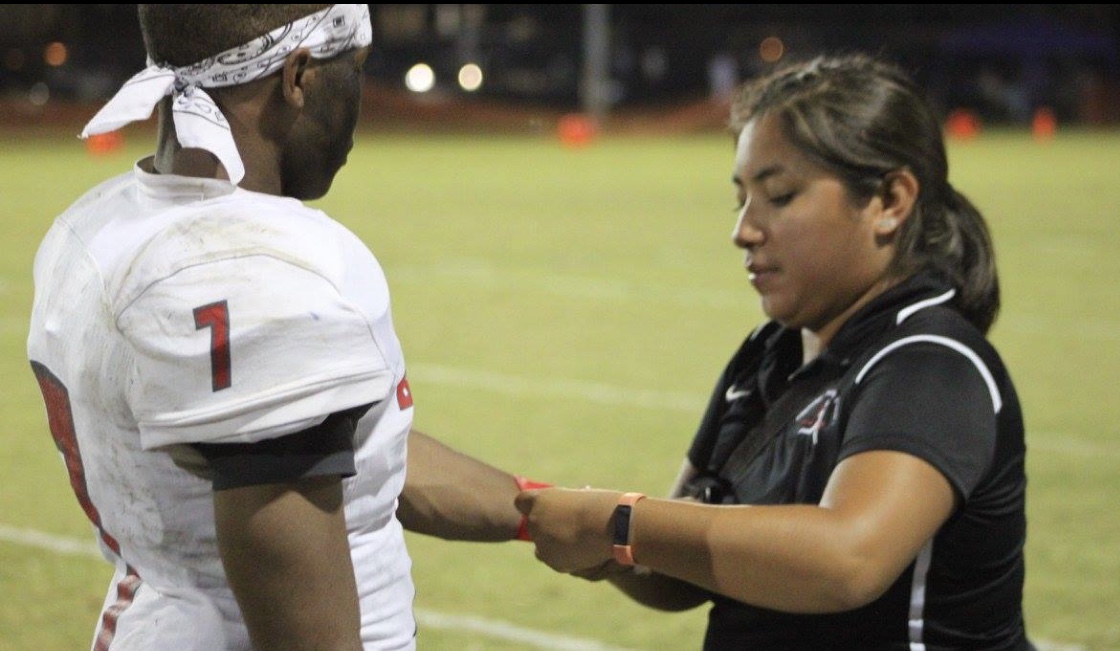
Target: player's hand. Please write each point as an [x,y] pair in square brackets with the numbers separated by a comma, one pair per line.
[570,527]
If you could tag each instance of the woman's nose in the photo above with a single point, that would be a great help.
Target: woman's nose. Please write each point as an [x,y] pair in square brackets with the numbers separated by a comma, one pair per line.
[746,233]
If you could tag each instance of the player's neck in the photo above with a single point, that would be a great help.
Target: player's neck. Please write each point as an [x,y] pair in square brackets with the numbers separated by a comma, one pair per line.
[191,162]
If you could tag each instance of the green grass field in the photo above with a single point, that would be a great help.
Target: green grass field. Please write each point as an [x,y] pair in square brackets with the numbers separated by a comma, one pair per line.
[564,313]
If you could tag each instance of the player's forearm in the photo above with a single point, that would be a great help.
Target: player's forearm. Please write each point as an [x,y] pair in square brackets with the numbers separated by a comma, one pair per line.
[451,495]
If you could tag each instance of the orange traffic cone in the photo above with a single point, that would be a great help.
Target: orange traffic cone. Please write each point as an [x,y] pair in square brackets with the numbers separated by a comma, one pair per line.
[577,130]
[963,124]
[1044,124]
[103,144]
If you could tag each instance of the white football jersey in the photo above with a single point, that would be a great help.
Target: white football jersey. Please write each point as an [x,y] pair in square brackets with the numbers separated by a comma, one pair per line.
[172,310]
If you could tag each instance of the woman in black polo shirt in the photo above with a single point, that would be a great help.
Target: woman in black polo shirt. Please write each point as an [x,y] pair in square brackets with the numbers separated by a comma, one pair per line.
[857,481]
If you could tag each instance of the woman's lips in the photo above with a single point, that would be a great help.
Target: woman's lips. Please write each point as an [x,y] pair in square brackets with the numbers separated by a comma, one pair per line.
[760,275]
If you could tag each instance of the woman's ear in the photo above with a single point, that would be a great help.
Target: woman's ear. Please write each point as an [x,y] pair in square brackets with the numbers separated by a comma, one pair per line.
[295,72]
[898,194]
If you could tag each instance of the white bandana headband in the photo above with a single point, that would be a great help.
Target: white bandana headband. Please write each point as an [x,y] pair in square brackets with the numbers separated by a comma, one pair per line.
[198,120]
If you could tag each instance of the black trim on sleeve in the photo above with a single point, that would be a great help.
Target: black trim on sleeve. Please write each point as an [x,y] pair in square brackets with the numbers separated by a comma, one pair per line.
[325,449]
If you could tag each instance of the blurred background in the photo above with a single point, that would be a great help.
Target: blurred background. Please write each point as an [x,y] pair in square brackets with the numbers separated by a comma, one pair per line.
[1002,63]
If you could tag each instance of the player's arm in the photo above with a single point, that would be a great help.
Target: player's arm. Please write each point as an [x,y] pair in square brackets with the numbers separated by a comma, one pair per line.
[287,559]
[278,508]
[454,496]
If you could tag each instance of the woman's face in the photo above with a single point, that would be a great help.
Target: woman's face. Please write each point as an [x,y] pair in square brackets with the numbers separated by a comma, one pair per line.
[813,256]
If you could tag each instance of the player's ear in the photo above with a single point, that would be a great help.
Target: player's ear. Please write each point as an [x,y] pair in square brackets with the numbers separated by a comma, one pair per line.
[295,76]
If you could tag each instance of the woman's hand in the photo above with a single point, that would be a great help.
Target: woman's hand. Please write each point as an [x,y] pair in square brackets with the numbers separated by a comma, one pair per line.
[570,527]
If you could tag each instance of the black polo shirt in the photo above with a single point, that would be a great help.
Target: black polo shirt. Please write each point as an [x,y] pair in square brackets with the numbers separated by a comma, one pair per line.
[906,373]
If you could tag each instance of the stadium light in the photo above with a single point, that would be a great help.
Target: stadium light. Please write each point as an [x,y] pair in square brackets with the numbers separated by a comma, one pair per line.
[420,78]
[470,77]
[771,49]
[55,54]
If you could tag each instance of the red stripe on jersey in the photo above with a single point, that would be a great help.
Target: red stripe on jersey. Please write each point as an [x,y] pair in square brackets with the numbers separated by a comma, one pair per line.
[60,420]
[126,592]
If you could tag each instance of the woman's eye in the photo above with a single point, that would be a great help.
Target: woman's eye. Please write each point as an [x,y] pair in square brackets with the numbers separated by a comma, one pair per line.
[782,199]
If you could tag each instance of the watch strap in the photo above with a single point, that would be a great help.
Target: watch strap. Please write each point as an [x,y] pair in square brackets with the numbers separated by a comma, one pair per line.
[623,552]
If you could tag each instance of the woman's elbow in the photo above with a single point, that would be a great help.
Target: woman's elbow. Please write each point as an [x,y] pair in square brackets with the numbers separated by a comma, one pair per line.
[856,584]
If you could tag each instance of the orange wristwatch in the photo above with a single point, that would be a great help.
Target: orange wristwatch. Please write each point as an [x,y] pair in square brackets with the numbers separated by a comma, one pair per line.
[621,521]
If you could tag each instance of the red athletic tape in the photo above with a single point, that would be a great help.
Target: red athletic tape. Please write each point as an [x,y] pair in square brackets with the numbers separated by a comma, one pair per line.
[527,484]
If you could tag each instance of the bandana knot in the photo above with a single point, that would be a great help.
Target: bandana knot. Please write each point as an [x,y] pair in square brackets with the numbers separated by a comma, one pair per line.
[199,122]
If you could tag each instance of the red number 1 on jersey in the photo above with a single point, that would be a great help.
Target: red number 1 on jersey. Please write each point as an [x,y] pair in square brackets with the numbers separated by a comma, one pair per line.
[216,317]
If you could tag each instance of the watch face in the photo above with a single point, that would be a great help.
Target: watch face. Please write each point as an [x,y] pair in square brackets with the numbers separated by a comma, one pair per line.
[622,524]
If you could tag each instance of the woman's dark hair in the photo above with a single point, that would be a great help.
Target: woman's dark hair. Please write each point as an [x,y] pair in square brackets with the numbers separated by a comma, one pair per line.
[862,118]
[184,34]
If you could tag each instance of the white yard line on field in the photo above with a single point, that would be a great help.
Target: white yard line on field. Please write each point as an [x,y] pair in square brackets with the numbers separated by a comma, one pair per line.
[1068,445]
[480,274]
[509,632]
[515,385]
[617,396]
[490,628]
